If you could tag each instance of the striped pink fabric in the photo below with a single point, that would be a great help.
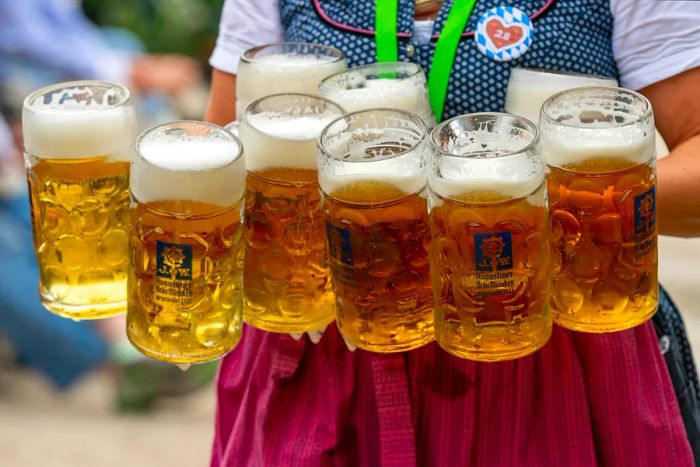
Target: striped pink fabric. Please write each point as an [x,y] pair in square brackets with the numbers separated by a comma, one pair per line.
[583,400]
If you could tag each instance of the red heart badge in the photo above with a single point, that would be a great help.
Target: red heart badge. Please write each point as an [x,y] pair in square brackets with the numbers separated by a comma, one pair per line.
[504,33]
[501,35]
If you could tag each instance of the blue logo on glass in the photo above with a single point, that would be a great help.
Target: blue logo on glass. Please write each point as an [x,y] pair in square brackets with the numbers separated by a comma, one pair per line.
[339,247]
[645,212]
[494,251]
[174,261]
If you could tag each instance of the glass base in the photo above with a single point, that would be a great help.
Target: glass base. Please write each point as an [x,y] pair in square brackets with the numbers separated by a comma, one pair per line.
[206,355]
[80,312]
[390,347]
[286,327]
[494,356]
[569,322]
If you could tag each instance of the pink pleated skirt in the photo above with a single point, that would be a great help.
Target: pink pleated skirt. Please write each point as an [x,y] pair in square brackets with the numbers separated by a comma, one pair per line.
[583,400]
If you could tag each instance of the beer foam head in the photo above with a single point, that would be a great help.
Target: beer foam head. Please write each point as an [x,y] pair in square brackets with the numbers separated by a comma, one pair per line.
[290,60]
[291,54]
[381,85]
[79,120]
[528,89]
[486,151]
[284,68]
[384,145]
[193,161]
[282,131]
[588,123]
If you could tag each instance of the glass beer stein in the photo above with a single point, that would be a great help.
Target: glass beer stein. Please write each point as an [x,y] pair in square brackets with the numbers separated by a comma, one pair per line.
[287,282]
[598,144]
[78,138]
[489,254]
[288,67]
[397,85]
[528,89]
[186,242]
[372,177]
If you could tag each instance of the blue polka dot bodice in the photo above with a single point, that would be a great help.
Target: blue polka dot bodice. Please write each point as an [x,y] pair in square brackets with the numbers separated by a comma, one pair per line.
[570,35]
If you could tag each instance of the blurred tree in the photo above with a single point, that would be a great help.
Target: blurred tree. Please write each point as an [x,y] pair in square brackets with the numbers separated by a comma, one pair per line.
[169,26]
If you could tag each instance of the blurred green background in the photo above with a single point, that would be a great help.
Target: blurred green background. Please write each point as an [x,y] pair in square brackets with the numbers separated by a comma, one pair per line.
[168,26]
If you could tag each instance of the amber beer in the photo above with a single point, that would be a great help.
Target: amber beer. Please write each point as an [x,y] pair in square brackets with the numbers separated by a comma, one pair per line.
[78,138]
[372,176]
[287,282]
[186,242]
[489,255]
[599,146]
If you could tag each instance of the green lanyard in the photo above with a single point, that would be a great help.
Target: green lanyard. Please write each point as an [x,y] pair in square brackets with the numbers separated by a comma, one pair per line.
[445,50]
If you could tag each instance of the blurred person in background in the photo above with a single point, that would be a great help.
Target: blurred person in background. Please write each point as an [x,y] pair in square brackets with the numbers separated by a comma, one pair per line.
[42,42]
[47,41]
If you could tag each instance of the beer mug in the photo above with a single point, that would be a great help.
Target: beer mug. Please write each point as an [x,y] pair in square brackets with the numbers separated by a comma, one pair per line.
[288,67]
[489,254]
[391,85]
[77,139]
[287,282]
[598,144]
[529,88]
[372,176]
[186,242]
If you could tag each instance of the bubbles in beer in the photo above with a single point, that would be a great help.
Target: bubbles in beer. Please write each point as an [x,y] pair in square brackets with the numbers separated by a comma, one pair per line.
[287,282]
[606,241]
[185,275]
[185,283]
[490,273]
[77,147]
[76,228]
[378,238]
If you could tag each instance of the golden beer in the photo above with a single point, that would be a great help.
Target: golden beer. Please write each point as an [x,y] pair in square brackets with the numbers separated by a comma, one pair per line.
[604,238]
[286,276]
[378,238]
[602,190]
[77,140]
[491,278]
[489,256]
[377,228]
[186,243]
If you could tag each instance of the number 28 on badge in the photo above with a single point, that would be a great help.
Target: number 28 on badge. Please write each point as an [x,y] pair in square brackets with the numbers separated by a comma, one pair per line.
[504,33]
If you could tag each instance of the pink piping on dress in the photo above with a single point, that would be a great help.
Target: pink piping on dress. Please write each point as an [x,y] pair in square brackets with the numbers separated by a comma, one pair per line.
[402,35]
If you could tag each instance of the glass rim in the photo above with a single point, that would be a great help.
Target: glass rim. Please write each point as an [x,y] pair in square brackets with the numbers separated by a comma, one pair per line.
[525,149]
[125,100]
[410,116]
[336,53]
[244,117]
[144,133]
[648,111]
[571,74]
[416,69]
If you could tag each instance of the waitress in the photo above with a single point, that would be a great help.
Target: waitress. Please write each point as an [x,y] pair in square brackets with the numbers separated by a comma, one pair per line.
[584,399]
